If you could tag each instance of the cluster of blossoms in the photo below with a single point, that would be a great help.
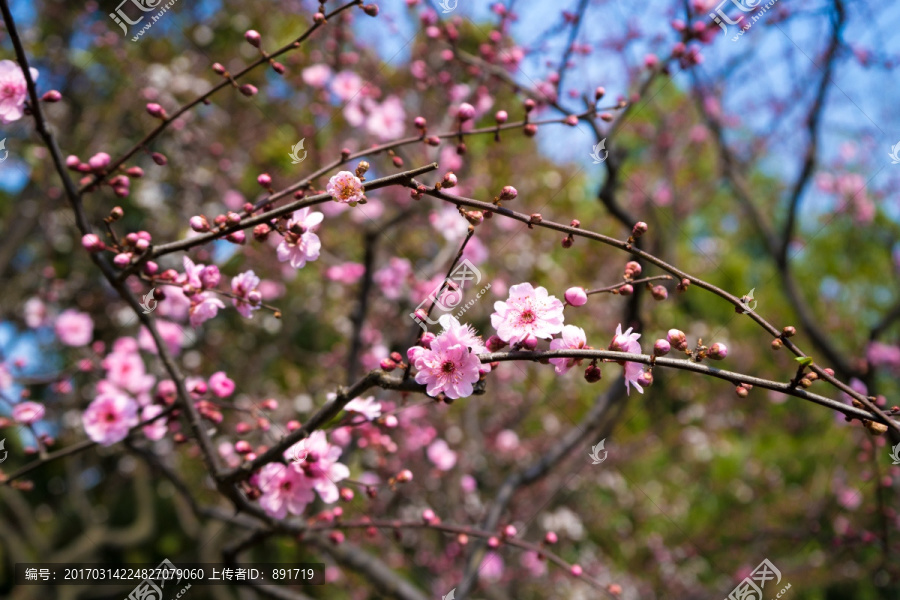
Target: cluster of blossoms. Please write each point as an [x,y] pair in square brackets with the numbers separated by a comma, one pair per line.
[448,363]
[312,467]
[301,244]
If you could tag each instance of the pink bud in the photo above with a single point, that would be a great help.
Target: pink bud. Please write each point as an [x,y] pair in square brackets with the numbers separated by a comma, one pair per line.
[427,515]
[659,292]
[237,237]
[99,161]
[645,379]
[495,344]
[530,342]
[530,130]
[419,122]
[651,60]
[509,531]
[606,117]
[599,93]
[404,476]
[500,116]
[426,339]
[576,296]
[626,290]
[92,243]
[677,339]
[52,96]
[210,276]
[529,105]
[199,224]
[159,159]
[252,36]
[264,180]
[577,570]
[151,268]
[218,68]
[508,192]
[248,90]
[466,112]
[592,374]
[639,229]
[155,110]
[661,347]
[717,351]
[449,180]
[632,269]
[72,162]
[122,259]
[370,9]
[135,172]
[493,542]
[242,447]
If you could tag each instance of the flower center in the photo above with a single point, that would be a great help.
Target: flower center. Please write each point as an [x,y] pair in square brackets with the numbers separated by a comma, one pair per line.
[110,417]
[448,367]
[8,90]
[528,316]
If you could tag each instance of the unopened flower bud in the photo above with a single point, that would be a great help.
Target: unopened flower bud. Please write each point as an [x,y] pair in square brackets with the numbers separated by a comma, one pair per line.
[677,339]
[248,90]
[404,476]
[592,374]
[606,117]
[237,237]
[509,531]
[388,365]
[599,92]
[261,232]
[72,162]
[789,331]
[529,105]
[449,180]
[500,116]
[495,344]
[218,68]
[92,243]
[576,570]
[155,110]
[632,269]
[661,347]
[639,229]
[626,290]
[508,193]
[199,224]
[466,112]
[210,276]
[122,260]
[419,122]
[568,241]
[319,18]
[717,351]
[659,292]
[159,159]
[550,538]
[576,296]
[278,68]
[253,38]
[371,10]
[530,130]
[645,379]
[571,121]
[493,542]
[264,180]
[777,344]
[99,161]
[52,96]
[135,172]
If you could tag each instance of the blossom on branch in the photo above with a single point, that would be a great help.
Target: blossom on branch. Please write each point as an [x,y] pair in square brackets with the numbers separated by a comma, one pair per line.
[345,187]
[13,91]
[300,244]
[573,338]
[527,311]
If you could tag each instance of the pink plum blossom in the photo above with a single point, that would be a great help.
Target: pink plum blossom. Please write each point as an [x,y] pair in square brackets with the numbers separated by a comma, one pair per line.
[448,366]
[204,306]
[191,275]
[74,328]
[627,342]
[300,248]
[367,407]
[346,85]
[492,567]
[13,91]
[285,489]
[463,333]
[28,412]
[883,355]
[35,313]
[527,311]
[347,273]
[221,385]
[573,338]
[171,333]
[158,428]
[318,460]
[109,417]
[391,278]
[316,75]
[248,299]
[387,119]
[441,455]
[125,369]
[345,187]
